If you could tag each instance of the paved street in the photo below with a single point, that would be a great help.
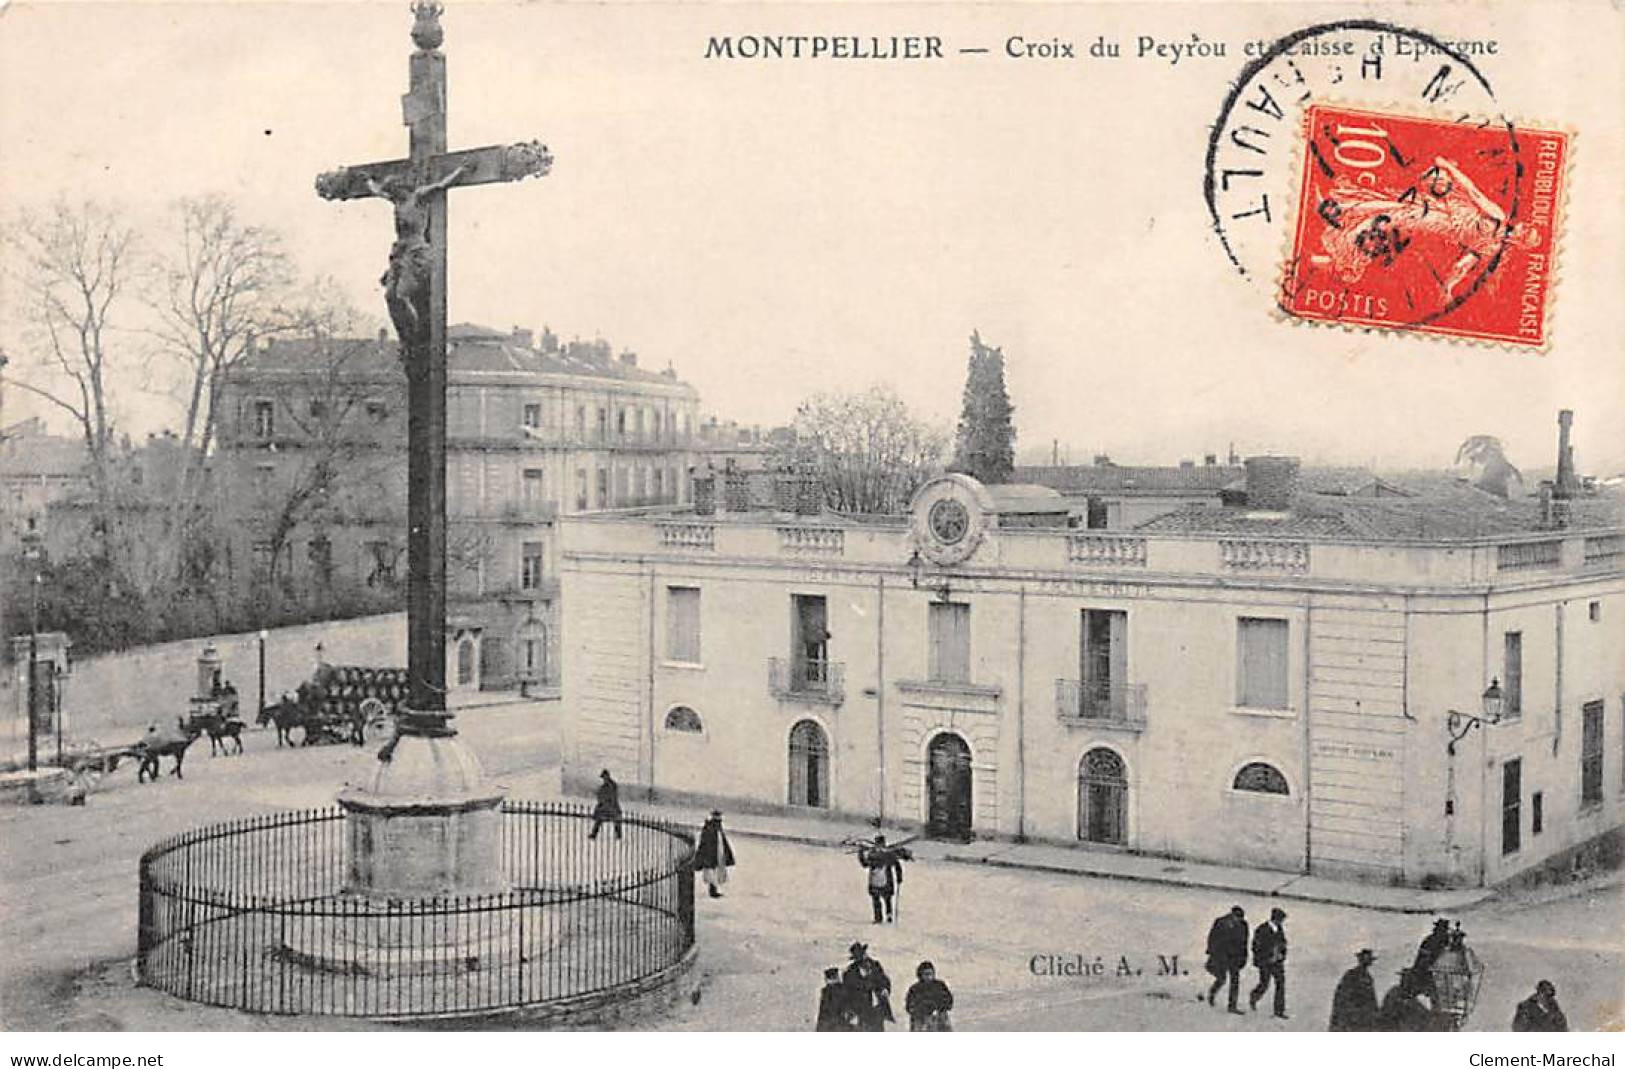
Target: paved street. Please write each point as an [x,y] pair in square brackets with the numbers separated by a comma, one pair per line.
[69,918]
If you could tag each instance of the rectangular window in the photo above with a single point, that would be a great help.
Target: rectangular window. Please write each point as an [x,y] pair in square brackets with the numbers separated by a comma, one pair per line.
[603,423]
[533,417]
[1537,813]
[1591,753]
[1261,669]
[683,624]
[1594,611]
[581,489]
[261,556]
[1512,671]
[660,487]
[534,486]
[657,425]
[603,488]
[581,421]
[950,643]
[640,424]
[622,485]
[643,486]
[1511,806]
[531,566]
[620,423]
[318,408]
[264,419]
[321,559]
[1102,663]
[379,559]
[809,642]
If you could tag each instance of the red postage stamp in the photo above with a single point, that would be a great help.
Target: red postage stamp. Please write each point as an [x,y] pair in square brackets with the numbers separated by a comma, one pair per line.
[1433,225]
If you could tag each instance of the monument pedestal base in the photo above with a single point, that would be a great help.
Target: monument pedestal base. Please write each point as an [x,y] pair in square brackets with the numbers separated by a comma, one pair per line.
[428,829]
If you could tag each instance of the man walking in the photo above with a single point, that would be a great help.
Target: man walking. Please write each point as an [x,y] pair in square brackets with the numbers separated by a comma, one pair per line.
[868,990]
[609,805]
[1354,1004]
[1227,953]
[885,867]
[714,855]
[834,1014]
[1269,956]
[1540,1012]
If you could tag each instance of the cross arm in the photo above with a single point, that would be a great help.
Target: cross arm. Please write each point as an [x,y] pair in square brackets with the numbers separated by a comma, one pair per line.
[470,167]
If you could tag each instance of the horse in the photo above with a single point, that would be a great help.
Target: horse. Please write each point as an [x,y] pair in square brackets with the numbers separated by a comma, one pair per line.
[287,714]
[222,730]
[158,744]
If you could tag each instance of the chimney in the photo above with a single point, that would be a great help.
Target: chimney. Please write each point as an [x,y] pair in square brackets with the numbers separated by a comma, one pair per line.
[1271,482]
[523,338]
[1565,483]
[1210,460]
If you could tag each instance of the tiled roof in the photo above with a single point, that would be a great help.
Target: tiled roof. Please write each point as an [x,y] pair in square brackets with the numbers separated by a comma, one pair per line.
[1195,481]
[1026,497]
[470,349]
[1448,511]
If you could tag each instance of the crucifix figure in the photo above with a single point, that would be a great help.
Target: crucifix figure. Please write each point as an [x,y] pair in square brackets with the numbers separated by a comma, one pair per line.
[415,291]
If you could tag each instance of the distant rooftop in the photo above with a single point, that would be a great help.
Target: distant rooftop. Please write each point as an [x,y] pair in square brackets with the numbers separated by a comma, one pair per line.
[471,349]
[1119,480]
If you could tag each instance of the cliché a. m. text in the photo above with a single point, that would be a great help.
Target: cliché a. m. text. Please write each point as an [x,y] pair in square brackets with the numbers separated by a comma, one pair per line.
[808,46]
[1085,967]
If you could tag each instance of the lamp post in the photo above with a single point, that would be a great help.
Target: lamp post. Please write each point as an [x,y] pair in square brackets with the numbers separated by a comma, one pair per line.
[31,552]
[1459,724]
[260,715]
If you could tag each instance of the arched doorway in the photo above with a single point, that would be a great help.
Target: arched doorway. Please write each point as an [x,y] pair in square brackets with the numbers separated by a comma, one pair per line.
[948,784]
[809,765]
[465,662]
[1102,797]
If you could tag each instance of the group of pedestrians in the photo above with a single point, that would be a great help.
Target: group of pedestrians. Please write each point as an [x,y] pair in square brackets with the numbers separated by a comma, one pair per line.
[858,999]
[1227,951]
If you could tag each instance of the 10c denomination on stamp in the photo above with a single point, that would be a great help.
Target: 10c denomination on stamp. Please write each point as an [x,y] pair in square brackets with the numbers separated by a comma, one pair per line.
[1426,224]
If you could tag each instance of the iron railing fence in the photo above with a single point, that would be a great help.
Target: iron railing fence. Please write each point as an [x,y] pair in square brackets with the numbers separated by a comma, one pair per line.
[253,915]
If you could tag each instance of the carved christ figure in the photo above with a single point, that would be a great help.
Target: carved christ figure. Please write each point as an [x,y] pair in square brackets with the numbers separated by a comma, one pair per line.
[406,283]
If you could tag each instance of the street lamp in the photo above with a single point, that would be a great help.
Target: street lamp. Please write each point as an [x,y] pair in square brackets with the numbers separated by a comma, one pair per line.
[264,634]
[1459,724]
[1457,976]
[31,553]
[916,571]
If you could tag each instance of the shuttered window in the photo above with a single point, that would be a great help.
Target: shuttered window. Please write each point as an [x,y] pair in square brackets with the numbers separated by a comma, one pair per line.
[1512,668]
[1591,753]
[1261,672]
[683,624]
[950,643]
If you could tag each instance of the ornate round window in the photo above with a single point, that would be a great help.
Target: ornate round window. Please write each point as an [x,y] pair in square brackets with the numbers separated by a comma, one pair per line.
[950,521]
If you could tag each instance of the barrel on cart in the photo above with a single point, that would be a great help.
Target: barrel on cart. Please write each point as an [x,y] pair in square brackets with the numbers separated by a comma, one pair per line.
[352,703]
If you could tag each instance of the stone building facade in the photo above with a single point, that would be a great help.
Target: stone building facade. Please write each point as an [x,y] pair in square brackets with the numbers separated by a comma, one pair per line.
[1266,685]
[313,462]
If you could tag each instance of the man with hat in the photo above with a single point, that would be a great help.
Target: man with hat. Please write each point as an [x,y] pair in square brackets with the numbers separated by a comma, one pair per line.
[1540,1012]
[1427,954]
[834,1013]
[1269,955]
[868,990]
[714,855]
[608,805]
[1227,953]
[1354,1004]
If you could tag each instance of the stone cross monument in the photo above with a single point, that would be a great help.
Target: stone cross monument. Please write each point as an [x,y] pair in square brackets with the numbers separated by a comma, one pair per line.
[429,825]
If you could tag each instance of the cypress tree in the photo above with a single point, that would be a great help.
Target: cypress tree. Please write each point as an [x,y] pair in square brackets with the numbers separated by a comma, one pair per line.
[985,446]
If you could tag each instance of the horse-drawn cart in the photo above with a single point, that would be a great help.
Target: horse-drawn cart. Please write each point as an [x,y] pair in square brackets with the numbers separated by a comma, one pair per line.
[341,703]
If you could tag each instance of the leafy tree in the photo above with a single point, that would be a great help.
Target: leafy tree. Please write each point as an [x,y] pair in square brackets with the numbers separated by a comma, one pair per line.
[985,446]
[867,450]
[1495,473]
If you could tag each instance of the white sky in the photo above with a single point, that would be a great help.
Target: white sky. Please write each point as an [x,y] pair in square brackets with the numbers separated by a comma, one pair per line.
[776,228]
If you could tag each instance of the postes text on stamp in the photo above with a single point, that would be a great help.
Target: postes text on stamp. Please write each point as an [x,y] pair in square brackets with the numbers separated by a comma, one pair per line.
[1426,224]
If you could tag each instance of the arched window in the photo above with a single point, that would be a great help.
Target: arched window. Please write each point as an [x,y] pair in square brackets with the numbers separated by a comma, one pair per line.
[1260,778]
[682,718]
[809,765]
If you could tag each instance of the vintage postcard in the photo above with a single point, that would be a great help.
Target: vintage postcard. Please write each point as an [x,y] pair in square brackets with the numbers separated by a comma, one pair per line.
[718,517]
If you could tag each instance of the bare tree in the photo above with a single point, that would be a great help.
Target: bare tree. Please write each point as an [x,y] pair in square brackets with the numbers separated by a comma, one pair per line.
[74,265]
[867,450]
